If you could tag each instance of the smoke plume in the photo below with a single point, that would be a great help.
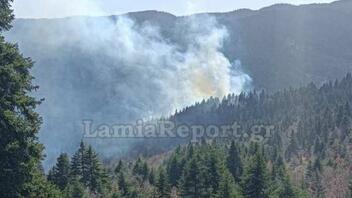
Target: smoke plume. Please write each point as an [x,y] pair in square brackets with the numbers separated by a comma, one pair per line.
[117,70]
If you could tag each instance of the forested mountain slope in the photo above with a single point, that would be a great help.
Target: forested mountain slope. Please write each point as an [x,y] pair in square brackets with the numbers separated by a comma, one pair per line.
[311,135]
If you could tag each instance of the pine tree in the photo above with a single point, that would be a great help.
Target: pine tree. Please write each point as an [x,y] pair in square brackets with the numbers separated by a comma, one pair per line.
[138,167]
[76,189]
[6,15]
[20,151]
[145,171]
[234,163]
[318,186]
[119,167]
[152,177]
[227,187]
[39,187]
[174,169]
[124,187]
[213,173]
[78,167]
[60,174]
[141,169]
[88,169]
[308,174]
[278,170]
[191,181]
[285,189]
[95,174]
[162,185]
[255,179]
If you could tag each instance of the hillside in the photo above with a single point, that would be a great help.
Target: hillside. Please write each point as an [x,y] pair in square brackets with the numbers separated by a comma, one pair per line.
[307,152]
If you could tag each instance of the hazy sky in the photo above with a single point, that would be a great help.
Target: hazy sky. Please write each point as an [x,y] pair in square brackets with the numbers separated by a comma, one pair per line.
[62,8]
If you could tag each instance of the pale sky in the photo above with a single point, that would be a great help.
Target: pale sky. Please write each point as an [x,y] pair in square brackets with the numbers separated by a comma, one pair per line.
[63,8]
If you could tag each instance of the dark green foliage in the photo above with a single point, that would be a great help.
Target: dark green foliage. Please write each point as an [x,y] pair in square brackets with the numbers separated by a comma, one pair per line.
[39,187]
[84,175]
[60,174]
[310,124]
[96,176]
[191,184]
[76,189]
[6,15]
[175,166]
[152,178]
[20,152]
[255,178]
[213,175]
[281,181]
[227,188]
[162,185]
[124,187]
[234,163]
[119,167]
[285,189]
[78,166]
[205,173]
[141,169]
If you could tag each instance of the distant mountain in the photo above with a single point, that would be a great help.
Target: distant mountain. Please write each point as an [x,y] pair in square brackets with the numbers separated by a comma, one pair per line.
[280,46]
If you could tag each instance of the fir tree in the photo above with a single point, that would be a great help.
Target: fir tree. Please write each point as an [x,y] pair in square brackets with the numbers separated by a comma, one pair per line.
[60,174]
[174,168]
[124,187]
[20,152]
[6,15]
[162,185]
[213,173]
[255,179]
[77,163]
[191,181]
[151,178]
[234,163]
[119,167]
[76,189]
[227,187]
[96,177]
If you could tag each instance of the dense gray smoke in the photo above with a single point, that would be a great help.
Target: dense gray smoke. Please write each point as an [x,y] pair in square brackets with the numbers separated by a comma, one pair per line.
[116,70]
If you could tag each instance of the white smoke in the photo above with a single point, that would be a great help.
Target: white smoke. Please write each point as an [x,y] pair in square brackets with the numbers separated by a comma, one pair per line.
[119,70]
[163,76]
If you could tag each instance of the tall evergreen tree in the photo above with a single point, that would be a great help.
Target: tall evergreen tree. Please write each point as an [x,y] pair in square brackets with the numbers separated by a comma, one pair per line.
[287,190]
[175,167]
[191,183]
[76,189]
[78,167]
[124,187]
[20,152]
[152,178]
[95,174]
[213,173]
[255,179]
[227,187]
[60,174]
[162,185]
[234,163]
[6,15]
[119,167]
